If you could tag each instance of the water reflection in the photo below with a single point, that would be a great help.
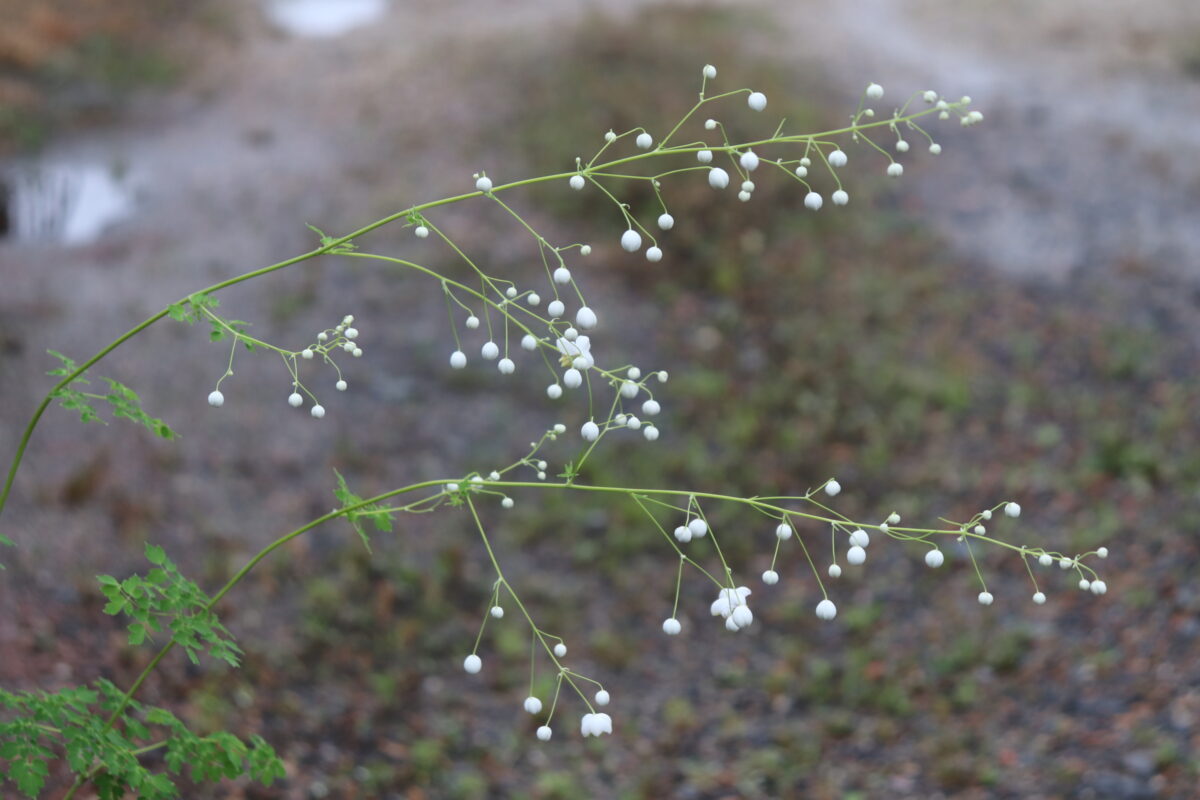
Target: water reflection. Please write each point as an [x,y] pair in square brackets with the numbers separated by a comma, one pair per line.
[70,204]
[323,18]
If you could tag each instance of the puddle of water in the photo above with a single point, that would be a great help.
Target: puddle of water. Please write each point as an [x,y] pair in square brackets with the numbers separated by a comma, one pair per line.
[68,204]
[323,18]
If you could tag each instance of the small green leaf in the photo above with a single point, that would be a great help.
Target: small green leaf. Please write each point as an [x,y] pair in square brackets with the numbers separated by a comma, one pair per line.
[155,554]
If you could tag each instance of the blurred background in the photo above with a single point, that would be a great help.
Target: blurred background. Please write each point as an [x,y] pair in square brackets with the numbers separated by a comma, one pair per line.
[1014,318]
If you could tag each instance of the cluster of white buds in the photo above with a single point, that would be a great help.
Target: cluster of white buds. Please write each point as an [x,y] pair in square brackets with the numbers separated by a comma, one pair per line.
[342,337]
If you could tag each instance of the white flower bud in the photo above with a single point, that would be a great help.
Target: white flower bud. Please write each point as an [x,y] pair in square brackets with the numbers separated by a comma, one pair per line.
[216,399]
[826,610]
[577,182]
[749,162]
[985,598]
[710,124]
[602,698]
[560,649]
[556,308]
[801,171]
[704,156]
[874,91]
[980,530]
[893,518]
[631,241]
[783,531]
[562,275]
[472,322]
[1102,552]
[629,389]
[837,159]
[421,232]
[633,423]
[529,342]
[533,705]
[666,222]
[295,400]
[644,140]
[322,336]
[1065,563]
[317,411]
[1099,587]
[710,71]
[472,664]
[662,376]
[610,137]
[986,513]
[507,502]
[1045,560]
[573,378]
[718,178]
[930,96]
[585,250]
[935,148]
[651,408]
[770,577]
[348,347]
[654,254]
[742,616]
[835,571]
[506,366]
[683,533]
[698,527]
[1085,584]
[813,201]
[351,333]
[856,555]
[650,432]
[483,183]
[833,488]
[340,386]
[510,292]
[306,354]
[489,350]
[585,318]
[895,169]
[671,627]
[840,198]
[554,391]
[934,558]
[1039,598]
[590,431]
[744,196]
[1012,510]
[458,359]
[757,101]
[544,733]
[497,612]
[860,538]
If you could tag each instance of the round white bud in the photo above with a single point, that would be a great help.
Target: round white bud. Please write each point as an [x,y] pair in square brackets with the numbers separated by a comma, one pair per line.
[585,250]
[562,275]
[554,391]
[306,354]
[544,733]
[1099,587]
[744,196]
[216,399]
[783,531]
[651,408]
[671,627]
[704,156]
[934,558]
[826,610]
[930,96]
[421,231]
[533,705]
[1039,598]
[529,342]
[489,350]
[837,159]
[666,221]
[472,664]
[560,649]
[749,161]
[506,366]
[856,555]
[458,359]
[710,124]
[585,318]
[556,308]
[317,411]
[340,386]
[573,378]
[631,241]
[577,182]
[698,527]
[602,698]
[610,137]
[835,571]
[483,183]
[507,502]
[472,322]
[757,101]
[683,533]
[590,431]
[874,91]
[985,598]
[651,433]
[654,254]
[895,169]
[497,612]
[718,178]
[1102,552]
[644,140]
[1045,560]
[1012,510]
[710,71]
[770,577]
[833,488]
[295,400]
[813,201]
[840,197]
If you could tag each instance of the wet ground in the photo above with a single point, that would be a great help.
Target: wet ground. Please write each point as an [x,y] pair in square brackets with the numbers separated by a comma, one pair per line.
[1084,179]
